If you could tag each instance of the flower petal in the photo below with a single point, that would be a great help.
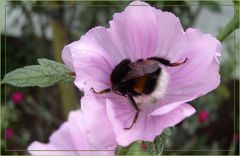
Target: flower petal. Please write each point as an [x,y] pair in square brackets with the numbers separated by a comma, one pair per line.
[99,134]
[141,31]
[200,49]
[59,140]
[183,91]
[67,58]
[169,31]
[37,148]
[69,139]
[94,57]
[147,126]
[166,108]
[121,115]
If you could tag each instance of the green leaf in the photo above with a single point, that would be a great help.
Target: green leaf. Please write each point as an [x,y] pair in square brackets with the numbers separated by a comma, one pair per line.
[53,64]
[156,147]
[132,149]
[43,75]
[135,149]
[120,150]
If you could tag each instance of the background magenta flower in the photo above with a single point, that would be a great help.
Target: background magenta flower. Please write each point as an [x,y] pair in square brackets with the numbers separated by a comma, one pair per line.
[203,116]
[140,32]
[69,139]
[235,136]
[9,133]
[17,97]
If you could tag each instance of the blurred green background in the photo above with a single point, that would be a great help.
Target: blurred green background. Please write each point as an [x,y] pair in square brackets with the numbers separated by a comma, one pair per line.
[37,29]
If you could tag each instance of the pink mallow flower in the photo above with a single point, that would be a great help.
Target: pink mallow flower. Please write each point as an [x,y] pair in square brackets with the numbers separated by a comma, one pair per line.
[203,116]
[143,32]
[9,133]
[17,97]
[72,139]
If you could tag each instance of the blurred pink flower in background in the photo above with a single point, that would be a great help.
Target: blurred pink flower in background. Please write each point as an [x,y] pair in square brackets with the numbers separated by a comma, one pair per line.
[203,116]
[71,139]
[236,136]
[141,32]
[9,133]
[17,97]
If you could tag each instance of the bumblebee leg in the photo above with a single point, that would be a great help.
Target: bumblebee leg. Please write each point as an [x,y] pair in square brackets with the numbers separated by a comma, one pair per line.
[102,91]
[175,64]
[119,93]
[132,101]
[161,60]
[166,62]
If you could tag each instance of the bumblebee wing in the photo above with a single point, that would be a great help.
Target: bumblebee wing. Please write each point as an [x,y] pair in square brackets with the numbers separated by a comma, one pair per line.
[141,68]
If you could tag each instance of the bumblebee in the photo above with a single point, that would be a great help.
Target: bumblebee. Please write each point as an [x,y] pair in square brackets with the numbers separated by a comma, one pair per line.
[132,79]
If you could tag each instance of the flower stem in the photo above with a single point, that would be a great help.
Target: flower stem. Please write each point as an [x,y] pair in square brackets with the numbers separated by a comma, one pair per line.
[232,25]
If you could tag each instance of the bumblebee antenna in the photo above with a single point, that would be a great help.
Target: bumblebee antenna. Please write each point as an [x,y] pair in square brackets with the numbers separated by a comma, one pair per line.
[102,91]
